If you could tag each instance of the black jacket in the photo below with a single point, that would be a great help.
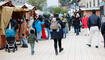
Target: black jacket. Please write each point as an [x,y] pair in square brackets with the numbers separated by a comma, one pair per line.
[103,28]
[76,23]
[94,20]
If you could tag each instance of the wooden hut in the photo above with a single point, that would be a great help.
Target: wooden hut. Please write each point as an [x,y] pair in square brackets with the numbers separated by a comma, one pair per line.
[6,13]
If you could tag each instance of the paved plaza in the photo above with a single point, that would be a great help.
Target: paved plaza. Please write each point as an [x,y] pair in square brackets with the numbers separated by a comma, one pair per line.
[75,48]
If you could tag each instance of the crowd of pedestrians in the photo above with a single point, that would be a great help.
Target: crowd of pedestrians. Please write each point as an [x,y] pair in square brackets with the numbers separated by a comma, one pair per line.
[56,27]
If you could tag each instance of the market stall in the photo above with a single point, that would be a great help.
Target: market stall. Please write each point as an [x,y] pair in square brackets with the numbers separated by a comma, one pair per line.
[6,13]
[5,16]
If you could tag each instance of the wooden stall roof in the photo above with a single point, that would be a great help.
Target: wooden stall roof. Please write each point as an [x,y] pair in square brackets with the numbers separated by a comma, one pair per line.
[3,3]
[34,8]
[24,7]
[20,10]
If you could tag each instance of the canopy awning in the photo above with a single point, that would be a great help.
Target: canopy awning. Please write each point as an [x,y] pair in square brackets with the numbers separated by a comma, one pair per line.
[83,9]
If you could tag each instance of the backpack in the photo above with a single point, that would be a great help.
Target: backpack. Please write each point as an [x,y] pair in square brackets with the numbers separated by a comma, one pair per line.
[54,25]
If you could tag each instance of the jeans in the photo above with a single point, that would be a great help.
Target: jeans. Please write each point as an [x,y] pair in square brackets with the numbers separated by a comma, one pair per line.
[77,31]
[24,41]
[48,32]
[39,34]
[64,31]
[32,48]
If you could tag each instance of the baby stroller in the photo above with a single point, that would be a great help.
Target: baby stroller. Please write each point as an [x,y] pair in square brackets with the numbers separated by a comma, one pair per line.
[10,40]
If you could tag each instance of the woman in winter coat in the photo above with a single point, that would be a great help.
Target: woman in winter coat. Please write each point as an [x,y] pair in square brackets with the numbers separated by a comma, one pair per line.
[37,25]
[85,25]
[57,35]
[76,24]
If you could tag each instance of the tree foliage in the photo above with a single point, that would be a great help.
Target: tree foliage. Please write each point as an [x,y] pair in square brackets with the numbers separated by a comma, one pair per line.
[68,2]
[37,3]
[65,2]
[58,10]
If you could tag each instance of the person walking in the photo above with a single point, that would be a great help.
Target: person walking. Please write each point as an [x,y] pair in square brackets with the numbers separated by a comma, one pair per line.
[38,27]
[85,24]
[103,32]
[31,40]
[56,34]
[69,21]
[64,20]
[94,26]
[76,24]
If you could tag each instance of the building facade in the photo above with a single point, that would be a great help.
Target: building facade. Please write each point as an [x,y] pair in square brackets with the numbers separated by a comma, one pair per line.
[88,5]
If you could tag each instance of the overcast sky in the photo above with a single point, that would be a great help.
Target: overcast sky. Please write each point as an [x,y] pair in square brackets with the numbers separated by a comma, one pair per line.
[52,3]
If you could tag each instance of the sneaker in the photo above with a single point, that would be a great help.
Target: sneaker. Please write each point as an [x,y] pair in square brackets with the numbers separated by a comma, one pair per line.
[96,46]
[61,50]
[88,45]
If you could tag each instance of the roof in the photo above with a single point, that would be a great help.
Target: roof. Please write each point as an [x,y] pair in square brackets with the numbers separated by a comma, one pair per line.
[3,3]
[90,8]
[30,7]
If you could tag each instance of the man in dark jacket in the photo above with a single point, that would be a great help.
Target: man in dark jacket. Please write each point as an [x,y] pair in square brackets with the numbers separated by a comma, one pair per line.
[103,32]
[94,26]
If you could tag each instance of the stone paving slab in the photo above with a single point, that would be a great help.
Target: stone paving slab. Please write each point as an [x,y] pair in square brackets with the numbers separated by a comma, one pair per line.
[75,48]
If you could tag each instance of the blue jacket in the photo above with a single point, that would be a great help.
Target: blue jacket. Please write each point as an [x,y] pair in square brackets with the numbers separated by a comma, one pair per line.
[38,26]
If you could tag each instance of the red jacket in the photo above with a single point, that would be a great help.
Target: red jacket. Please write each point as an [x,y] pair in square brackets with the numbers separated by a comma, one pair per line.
[84,21]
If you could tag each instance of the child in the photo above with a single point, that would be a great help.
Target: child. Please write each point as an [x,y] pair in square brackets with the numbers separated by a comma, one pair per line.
[31,40]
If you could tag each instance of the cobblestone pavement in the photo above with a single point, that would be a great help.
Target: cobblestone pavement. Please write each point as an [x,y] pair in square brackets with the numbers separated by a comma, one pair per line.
[75,48]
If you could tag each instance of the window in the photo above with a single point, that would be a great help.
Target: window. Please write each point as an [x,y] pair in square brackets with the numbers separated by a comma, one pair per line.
[93,2]
[87,5]
[98,2]
[90,3]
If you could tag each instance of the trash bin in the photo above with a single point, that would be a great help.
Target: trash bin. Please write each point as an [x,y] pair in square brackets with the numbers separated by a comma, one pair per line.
[2,41]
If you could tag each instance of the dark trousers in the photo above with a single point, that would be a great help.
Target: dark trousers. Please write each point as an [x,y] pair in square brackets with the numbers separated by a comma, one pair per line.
[104,39]
[35,32]
[69,26]
[57,42]
[79,29]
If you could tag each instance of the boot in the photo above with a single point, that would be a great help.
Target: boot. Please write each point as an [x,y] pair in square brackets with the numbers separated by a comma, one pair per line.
[61,50]
[56,52]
